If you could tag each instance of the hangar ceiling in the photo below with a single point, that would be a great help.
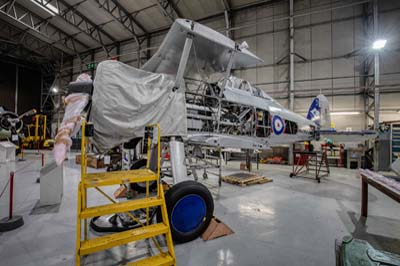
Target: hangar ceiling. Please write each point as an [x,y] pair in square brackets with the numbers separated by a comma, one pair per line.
[53,29]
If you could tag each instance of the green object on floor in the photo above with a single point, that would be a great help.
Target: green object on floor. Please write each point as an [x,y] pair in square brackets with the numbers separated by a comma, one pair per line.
[356,252]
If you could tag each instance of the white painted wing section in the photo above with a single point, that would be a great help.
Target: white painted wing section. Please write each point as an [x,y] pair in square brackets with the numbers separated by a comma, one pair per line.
[348,136]
[231,141]
[209,53]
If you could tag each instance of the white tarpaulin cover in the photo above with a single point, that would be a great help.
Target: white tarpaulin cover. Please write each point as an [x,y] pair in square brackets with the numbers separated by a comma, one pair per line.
[126,99]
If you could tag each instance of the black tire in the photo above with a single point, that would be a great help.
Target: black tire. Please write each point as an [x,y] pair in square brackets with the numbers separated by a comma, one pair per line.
[141,187]
[182,191]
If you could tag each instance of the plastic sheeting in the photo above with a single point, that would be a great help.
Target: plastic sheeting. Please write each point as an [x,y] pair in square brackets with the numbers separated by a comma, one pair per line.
[74,105]
[126,99]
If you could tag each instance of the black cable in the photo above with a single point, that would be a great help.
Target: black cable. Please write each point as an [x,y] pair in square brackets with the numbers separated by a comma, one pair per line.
[4,189]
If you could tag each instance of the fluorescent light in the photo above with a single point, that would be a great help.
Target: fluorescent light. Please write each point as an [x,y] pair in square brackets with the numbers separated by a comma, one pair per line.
[379,44]
[44,4]
[346,113]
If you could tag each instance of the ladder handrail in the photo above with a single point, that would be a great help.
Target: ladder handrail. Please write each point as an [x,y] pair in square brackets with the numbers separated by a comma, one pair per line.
[82,194]
[83,149]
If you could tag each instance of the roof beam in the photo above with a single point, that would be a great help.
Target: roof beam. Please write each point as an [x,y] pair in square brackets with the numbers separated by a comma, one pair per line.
[163,30]
[169,9]
[121,15]
[19,39]
[227,5]
[15,13]
[72,16]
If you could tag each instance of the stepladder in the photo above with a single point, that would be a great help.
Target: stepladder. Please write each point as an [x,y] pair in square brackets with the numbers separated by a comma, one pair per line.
[157,231]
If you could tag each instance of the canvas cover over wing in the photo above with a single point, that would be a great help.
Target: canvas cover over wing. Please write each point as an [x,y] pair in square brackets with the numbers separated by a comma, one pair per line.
[126,99]
[210,52]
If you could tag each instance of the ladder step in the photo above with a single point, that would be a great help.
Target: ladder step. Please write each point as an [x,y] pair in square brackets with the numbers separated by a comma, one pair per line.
[122,238]
[125,206]
[158,260]
[118,177]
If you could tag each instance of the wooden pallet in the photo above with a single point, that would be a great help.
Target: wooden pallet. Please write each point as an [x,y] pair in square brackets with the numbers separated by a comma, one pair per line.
[246,179]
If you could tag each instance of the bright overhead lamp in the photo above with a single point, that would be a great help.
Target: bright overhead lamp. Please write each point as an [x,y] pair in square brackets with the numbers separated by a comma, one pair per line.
[379,44]
[46,6]
[54,89]
[346,113]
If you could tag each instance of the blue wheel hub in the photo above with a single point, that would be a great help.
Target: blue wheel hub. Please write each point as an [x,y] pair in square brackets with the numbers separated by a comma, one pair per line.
[188,213]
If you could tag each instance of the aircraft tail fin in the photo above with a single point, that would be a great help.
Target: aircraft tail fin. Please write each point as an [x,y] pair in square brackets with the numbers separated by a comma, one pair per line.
[319,112]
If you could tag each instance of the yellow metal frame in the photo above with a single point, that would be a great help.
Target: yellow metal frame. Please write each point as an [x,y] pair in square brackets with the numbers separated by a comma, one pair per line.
[36,137]
[147,231]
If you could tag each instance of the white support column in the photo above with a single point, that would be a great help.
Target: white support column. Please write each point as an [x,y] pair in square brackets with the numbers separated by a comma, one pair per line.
[377,83]
[291,55]
[228,70]
[376,69]
[183,61]
[178,165]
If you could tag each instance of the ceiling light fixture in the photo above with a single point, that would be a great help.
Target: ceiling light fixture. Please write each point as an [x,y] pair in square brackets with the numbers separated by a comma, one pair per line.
[346,113]
[379,44]
[44,4]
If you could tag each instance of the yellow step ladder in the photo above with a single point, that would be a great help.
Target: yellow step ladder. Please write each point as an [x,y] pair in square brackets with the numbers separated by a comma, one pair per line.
[146,230]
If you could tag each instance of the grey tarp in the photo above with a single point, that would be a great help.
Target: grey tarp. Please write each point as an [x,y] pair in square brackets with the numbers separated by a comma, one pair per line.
[126,99]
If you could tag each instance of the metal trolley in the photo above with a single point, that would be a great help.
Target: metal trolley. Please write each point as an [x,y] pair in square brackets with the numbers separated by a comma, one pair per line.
[310,161]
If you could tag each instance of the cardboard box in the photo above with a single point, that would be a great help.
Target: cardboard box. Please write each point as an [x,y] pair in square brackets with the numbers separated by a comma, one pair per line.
[93,160]
[216,229]
[243,166]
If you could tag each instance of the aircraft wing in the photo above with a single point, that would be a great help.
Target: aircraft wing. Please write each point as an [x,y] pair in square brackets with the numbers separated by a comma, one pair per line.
[227,141]
[348,136]
[209,53]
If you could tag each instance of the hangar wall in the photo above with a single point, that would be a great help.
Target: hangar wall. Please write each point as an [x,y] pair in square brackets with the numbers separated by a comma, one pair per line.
[29,82]
[330,47]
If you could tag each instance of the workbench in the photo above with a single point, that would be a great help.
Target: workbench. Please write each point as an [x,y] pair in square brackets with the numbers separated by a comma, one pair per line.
[367,177]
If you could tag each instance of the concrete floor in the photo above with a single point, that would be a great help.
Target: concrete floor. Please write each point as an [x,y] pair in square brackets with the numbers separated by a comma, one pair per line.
[286,222]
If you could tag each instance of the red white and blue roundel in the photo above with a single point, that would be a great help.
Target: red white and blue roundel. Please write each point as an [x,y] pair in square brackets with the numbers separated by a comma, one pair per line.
[278,125]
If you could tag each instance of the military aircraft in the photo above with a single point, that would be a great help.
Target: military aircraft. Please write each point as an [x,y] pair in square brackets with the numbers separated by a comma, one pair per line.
[188,88]
[11,124]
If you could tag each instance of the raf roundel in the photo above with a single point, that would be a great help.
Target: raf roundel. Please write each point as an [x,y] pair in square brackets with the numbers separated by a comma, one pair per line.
[278,125]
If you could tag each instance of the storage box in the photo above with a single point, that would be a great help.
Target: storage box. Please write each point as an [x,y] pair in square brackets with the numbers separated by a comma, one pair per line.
[216,229]
[7,152]
[93,160]
[51,184]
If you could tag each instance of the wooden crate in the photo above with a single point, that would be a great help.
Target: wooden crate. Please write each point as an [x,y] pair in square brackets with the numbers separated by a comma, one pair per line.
[246,179]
